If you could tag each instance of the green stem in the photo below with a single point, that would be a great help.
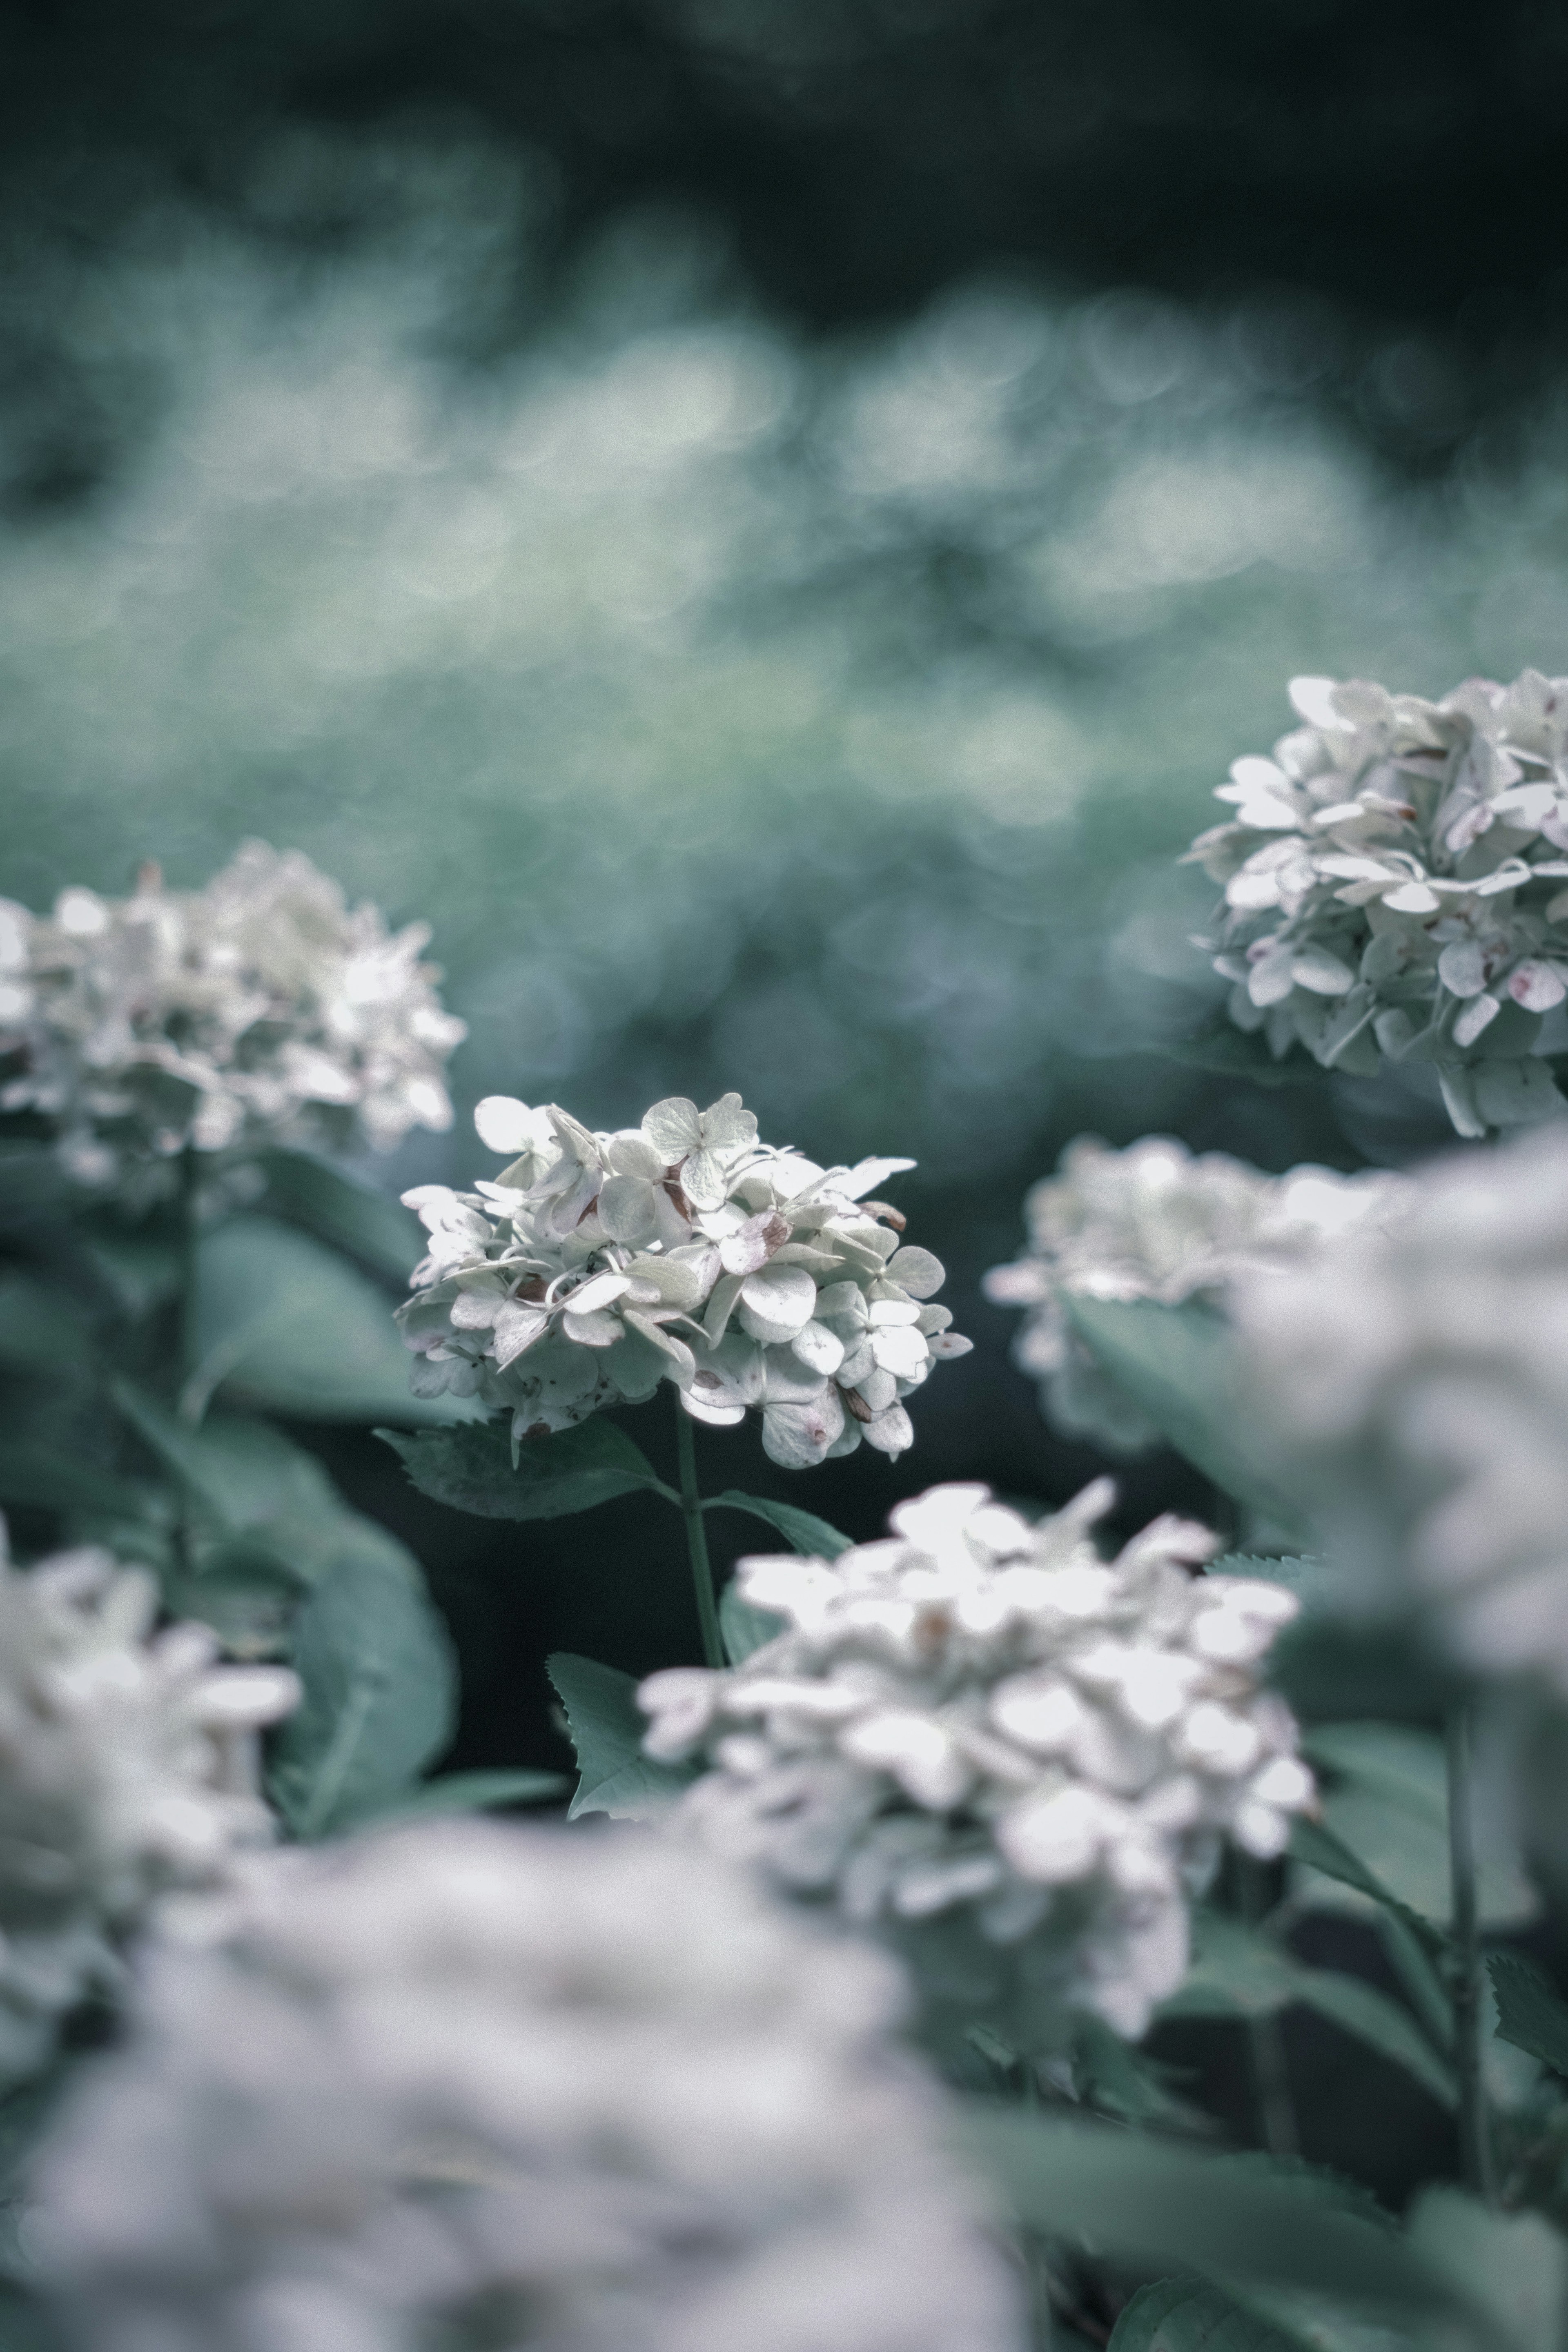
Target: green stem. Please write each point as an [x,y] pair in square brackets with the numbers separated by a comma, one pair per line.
[697,1539]
[1474,2143]
[189,1182]
[186,1332]
[1271,2067]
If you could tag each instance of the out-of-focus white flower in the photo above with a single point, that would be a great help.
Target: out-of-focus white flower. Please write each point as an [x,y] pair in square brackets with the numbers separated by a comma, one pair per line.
[478,2086]
[1155,1222]
[1393,886]
[982,1725]
[1418,1382]
[127,1768]
[682,1250]
[260,1009]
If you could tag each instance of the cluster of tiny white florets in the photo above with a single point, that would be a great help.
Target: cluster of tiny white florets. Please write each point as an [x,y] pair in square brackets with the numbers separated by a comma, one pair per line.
[1155,1222]
[261,1009]
[1418,1383]
[1394,888]
[479,2086]
[983,1718]
[127,1768]
[682,1250]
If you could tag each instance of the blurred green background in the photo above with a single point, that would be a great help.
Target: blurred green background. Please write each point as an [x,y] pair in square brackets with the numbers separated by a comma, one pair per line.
[762,521]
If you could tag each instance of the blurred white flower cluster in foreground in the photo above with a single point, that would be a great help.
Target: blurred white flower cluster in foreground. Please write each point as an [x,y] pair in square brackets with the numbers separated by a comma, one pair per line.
[260,1009]
[1418,1383]
[483,2086]
[596,1265]
[1157,1221]
[127,1768]
[1396,887]
[981,1721]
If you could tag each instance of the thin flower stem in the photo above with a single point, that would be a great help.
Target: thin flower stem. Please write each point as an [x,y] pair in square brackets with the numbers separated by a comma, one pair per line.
[1271,2067]
[697,1539]
[185,1329]
[1475,2140]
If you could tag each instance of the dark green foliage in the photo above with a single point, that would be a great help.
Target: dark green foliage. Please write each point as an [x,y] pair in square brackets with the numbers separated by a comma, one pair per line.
[472,1469]
[340,1210]
[607,1727]
[1530,2013]
[1178,1364]
[1184,2315]
[283,1322]
[381,1690]
[802,1530]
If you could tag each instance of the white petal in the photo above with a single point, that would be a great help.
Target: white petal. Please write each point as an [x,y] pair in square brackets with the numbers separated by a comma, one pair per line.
[504,1124]
[917,1271]
[891,1432]
[817,1347]
[777,1301]
[672,1128]
[796,1437]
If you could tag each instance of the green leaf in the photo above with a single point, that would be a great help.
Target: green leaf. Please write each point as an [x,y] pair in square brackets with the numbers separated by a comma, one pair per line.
[1120,2081]
[286,1323]
[341,1210]
[1510,2269]
[31,1181]
[140,1270]
[1385,1795]
[1316,1844]
[41,1327]
[1331,1671]
[1180,1365]
[1307,1577]
[1237,1972]
[470,1793]
[1166,2205]
[1530,2013]
[33,1474]
[379,1688]
[1184,2315]
[1218,1044]
[471,1469]
[802,1530]
[607,1727]
[248,1480]
[744,1628]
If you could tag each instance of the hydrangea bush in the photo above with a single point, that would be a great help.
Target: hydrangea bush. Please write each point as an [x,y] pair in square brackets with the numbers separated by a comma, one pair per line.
[259,1009]
[1157,1221]
[478,2086]
[128,1768]
[1396,880]
[1417,1384]
[1018,1788]
[980,1721]
[596,1266]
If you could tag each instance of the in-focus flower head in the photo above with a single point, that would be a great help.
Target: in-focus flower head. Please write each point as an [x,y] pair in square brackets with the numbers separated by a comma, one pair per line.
[478,2086]
[1394,888]
[596,1266]
[1419,1384]
[981,1724]
[260,1009]
[127,1769]
[1155,1221]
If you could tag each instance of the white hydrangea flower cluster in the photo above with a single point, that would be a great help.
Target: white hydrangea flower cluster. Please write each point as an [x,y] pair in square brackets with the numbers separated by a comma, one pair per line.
[260,1009]
[980,1721]
[1394,886]
[682,1250]
[127,1768]
[1155,1221]
[1419,1385]
[478,2086]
